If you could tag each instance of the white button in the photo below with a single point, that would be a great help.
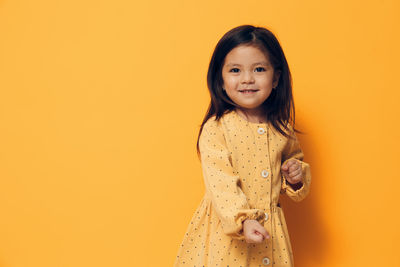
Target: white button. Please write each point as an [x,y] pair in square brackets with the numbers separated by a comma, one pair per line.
[264,173]
[266,261]
[266,216]
[261,130]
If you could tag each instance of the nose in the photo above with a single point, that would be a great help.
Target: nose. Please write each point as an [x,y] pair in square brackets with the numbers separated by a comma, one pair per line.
[247,77]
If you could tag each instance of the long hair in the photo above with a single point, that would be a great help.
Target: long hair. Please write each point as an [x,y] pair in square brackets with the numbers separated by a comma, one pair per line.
[279,106]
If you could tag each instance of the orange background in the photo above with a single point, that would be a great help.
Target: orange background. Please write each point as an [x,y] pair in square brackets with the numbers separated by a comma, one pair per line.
[100,106]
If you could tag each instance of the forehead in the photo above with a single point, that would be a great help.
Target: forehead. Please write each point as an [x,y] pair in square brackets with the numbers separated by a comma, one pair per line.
[246,54]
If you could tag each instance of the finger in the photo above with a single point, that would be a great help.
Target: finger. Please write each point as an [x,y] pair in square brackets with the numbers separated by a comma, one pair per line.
[256,237]
[284,167]
[295,180]
[285,174]
[295,172]
[263,231]
[295,165]
[289,164]
[261,235]
[292,161]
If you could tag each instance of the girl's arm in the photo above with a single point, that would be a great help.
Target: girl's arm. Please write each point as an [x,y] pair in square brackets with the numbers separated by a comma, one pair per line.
[221,182]
[299,191]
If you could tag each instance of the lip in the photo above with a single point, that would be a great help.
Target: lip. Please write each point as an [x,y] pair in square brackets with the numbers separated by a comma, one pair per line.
[245,91]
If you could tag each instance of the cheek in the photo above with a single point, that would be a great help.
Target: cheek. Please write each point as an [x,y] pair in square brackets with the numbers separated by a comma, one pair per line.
[230,81]
[265,81]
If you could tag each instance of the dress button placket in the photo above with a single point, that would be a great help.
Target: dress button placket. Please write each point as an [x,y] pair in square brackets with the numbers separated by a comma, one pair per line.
[264,173]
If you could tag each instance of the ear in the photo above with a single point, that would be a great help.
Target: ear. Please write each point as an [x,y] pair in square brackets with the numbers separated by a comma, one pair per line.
[277,74]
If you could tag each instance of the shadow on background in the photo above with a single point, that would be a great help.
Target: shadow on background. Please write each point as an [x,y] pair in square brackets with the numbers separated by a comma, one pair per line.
[306,229]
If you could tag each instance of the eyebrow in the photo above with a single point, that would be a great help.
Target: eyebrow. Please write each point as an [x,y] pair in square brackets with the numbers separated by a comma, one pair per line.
[257,63]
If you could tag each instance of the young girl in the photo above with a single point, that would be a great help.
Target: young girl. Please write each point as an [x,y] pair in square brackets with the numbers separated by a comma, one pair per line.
[249,154]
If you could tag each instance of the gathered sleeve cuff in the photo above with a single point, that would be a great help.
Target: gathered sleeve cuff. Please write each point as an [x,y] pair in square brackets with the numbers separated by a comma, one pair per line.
[222,183]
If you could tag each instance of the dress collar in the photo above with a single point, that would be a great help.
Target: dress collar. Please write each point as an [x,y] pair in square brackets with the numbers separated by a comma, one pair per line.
[246,122]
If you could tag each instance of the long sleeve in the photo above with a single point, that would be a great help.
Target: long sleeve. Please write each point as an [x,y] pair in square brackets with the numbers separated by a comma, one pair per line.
[293,151]
[221,182]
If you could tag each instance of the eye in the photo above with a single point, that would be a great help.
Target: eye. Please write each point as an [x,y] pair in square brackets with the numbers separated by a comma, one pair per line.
[260,69]
[234,69]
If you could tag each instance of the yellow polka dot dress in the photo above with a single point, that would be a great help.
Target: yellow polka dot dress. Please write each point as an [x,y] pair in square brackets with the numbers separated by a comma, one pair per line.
[241,163]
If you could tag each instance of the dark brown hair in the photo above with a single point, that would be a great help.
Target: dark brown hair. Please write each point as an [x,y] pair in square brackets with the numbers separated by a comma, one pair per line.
[279,106]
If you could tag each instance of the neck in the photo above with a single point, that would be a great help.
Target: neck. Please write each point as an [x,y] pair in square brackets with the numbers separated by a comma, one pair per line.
[252,115]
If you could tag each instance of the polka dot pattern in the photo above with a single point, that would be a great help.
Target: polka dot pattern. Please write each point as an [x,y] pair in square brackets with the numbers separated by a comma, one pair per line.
[241,171]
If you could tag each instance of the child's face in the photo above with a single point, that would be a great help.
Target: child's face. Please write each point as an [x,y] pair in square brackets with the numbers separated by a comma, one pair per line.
[247,67]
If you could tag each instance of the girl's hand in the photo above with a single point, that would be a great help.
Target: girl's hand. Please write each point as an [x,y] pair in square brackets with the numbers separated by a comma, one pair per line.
[292,171]
[254,232]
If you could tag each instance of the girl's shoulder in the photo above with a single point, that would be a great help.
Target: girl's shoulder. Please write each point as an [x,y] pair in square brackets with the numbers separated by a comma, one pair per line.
[212,125]
[218,124]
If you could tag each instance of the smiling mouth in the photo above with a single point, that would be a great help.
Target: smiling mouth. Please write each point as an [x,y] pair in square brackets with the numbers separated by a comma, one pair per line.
[248,91]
